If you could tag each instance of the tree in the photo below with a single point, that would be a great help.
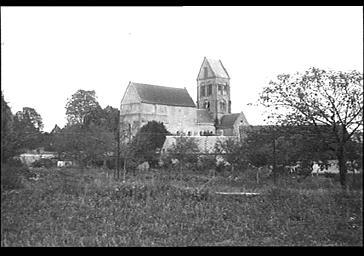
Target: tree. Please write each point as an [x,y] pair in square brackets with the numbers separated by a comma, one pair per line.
[147,141]
[28,127]
[8,148]
[233,152]
[110,118]
[282,146]
[83,108]
[318,97]
[87,145]
[30,118]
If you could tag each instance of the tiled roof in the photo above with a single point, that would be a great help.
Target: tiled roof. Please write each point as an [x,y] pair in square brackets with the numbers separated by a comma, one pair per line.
[218,68]
[203,116]
[227,121]
[156,94]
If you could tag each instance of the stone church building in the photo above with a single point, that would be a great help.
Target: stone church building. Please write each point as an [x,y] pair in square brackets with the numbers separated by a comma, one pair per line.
[175,108]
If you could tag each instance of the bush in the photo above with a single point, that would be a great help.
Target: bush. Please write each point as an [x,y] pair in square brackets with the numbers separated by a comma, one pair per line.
[44,162]
[12,173]
[206,162]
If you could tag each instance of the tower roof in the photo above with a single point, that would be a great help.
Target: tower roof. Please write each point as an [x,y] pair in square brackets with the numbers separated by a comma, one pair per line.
[216,67]
[163,95]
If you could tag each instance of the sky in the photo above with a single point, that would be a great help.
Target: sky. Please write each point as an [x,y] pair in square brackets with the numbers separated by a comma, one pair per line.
[48,53]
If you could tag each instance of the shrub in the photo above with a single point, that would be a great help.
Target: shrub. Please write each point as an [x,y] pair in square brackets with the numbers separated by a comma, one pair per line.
[12,173]
[206,162]
[43,162]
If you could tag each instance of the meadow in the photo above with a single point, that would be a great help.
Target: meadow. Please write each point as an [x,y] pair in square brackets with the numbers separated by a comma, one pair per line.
[87,207]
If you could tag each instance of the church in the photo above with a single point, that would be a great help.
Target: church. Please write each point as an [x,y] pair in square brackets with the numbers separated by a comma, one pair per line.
[174,107]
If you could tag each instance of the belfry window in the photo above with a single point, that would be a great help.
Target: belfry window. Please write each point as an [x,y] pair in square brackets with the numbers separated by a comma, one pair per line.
[220,89]
[209,89]
[222,106]
[206,105]
[202,91]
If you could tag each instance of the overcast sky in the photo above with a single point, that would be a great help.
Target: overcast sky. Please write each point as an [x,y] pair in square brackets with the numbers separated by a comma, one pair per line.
[48,53]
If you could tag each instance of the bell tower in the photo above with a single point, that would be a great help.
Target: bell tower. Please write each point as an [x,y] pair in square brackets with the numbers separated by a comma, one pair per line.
[213,89]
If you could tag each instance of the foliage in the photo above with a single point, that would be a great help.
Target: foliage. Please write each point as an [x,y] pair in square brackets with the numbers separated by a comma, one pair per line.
[8,146]
[185,150]
[147,141]
[29,118]
[74,208]
[27,128]
[12,174]
[110,119]
[44,162]
[284,145]
[83,108]
[207,162]
[84,144]
[233,152]
[91,133]
[331,98]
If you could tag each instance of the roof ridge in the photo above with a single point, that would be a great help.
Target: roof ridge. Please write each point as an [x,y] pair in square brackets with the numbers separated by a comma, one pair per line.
[184,88]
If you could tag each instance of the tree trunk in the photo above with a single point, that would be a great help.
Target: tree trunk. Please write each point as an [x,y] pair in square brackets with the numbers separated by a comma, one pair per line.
[342,166]
[274,163]
[124,173]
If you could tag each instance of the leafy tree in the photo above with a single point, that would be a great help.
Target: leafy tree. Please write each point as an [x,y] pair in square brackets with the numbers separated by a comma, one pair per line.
[318,97]
[87,145]
[147,141]
[90,134]
[233,152]
[83,108]
[28,125]
[110,119]
[281,146]
[8,146]
[30,118]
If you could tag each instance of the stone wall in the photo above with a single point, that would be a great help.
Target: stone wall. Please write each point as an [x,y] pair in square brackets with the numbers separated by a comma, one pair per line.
[175,118]
[206,144]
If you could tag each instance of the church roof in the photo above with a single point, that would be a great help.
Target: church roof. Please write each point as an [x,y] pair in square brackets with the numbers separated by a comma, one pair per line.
[227,121]
[203,116]
[217,68]
[156,94]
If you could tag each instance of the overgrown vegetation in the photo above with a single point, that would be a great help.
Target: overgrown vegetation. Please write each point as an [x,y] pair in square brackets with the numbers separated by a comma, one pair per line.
[88,208]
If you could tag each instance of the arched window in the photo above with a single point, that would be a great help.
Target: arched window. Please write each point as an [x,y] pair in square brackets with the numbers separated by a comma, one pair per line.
[225,89]
[202,91]
[209,89]
[206,105]
[222,106]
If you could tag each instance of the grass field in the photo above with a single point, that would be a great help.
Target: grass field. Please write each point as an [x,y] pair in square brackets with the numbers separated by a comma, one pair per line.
[71,207]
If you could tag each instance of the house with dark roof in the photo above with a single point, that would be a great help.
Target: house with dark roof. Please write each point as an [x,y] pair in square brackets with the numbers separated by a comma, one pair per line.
[175,108]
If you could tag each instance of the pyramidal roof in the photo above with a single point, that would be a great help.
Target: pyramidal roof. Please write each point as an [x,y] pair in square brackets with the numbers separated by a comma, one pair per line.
[163,95]
[216,67]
